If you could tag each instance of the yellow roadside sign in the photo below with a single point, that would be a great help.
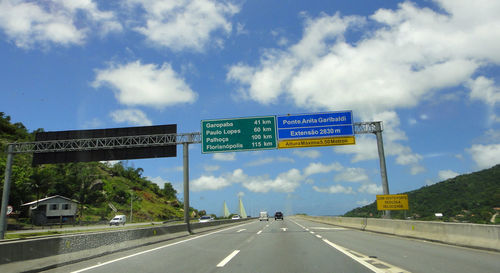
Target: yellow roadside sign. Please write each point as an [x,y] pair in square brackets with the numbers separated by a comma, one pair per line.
[392,202]
[316,142]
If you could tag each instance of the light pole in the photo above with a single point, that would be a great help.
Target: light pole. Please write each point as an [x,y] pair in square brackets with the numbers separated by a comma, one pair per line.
[131,198]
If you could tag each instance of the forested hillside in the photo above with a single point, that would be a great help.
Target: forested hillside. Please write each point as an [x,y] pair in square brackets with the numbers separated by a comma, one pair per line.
[95,185]
[465,198]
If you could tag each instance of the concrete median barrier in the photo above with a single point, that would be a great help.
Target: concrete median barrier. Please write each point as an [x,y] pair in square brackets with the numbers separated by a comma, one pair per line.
[462,234]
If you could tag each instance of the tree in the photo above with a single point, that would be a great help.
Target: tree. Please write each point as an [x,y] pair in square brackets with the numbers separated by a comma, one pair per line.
[169,191]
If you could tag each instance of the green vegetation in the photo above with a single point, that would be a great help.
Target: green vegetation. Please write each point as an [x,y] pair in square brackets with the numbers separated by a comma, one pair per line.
[465,198]
[95,185]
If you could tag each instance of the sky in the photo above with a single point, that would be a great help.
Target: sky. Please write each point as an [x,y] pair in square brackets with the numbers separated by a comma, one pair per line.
[429,70]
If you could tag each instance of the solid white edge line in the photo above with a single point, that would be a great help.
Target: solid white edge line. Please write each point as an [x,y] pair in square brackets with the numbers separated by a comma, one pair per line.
[341,249]
[228,258]
[260,231]
[154,249]
[362,262]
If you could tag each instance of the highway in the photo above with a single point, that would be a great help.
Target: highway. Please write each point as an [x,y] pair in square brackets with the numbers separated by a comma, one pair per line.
[292,245]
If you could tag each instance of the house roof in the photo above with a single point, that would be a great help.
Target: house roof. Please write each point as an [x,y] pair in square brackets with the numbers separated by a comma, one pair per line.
[48,198]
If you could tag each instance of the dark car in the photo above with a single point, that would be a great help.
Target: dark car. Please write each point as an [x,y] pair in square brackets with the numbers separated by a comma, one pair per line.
[278,215]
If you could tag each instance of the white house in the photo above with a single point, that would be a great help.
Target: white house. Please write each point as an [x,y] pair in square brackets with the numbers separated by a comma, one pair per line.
[52,208]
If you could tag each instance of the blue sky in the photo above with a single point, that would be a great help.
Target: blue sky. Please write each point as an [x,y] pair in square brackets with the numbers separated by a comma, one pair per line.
[428,69]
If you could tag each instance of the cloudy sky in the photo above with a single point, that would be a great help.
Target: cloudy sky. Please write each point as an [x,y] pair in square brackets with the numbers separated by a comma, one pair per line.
[428,69]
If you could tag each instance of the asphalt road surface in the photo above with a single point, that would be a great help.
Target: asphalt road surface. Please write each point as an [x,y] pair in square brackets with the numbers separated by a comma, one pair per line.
[292,245]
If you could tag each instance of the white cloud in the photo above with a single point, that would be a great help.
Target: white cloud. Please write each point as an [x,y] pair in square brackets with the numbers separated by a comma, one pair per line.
[446,174]
[130,116]
[110,163]
[185,24]
[430,182]
[485,90]
[314,168]
[366,146]
[240,29]
[370,189]
[224,156]
[173,169]
[158,180]
[240,194]
[268,160]
[485,156]
[211,168]
[145,84]
[60,22]
[352,175]
[334,189]
[403,58]
[416,169]
[313,154]
[284,182]
[365,149]
[383,71]
[204,183]
[363,202]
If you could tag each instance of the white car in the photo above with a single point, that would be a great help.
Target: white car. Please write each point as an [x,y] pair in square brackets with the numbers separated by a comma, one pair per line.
[205,219]
[118,219]
[236,217]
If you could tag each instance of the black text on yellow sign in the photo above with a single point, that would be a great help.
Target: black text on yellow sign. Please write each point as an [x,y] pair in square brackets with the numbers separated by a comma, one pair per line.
[316,142]
[392,202]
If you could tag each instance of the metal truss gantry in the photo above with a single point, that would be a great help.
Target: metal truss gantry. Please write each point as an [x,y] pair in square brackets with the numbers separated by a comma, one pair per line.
[104,143]
[90,144]
[185,139]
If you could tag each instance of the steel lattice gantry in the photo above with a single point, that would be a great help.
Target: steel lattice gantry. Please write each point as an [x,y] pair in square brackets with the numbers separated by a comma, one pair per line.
[149,141]
[139,141]
[104,143]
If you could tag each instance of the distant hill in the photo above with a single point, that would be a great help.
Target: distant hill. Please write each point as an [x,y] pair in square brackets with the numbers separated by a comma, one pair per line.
[95,185]
[465,198]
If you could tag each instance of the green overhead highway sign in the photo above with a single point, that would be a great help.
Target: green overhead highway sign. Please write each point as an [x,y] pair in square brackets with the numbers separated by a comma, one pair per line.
[240,134]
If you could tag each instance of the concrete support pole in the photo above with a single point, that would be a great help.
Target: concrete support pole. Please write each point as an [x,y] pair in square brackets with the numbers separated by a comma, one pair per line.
[6,191]
[131,198]
[185,155]
[381,156]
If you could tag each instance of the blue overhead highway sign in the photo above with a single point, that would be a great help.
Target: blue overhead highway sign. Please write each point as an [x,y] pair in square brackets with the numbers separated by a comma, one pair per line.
[331,124]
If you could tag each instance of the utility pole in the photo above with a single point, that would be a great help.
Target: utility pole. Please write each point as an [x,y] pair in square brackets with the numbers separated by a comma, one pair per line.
[185,155]
[131,198]
[6,190]
[381,156]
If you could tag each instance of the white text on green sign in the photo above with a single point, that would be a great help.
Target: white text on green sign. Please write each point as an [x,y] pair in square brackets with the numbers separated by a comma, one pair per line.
[241,134]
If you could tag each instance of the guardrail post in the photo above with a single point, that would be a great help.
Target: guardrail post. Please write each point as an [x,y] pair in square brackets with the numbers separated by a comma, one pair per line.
[6,190]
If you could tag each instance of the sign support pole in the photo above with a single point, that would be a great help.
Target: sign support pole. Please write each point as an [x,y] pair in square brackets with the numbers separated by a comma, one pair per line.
[6,190]
[185,155]
[381,156]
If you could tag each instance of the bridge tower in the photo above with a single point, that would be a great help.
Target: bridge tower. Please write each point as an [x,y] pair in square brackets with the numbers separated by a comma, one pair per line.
[225,210]
[243,213]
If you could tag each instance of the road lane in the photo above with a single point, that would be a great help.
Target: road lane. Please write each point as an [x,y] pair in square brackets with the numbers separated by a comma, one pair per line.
[274,246]
[293,245]
[197,254]
[285,247]
[411,254]
[178,255]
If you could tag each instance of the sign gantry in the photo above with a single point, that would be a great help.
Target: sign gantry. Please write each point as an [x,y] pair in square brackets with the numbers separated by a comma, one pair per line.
[227,135]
